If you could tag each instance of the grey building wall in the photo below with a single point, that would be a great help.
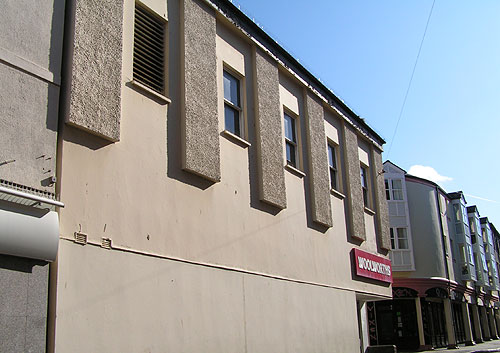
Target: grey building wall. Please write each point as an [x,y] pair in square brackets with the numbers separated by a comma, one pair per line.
[426,231]
[31,40]
[23,309]
[30,60]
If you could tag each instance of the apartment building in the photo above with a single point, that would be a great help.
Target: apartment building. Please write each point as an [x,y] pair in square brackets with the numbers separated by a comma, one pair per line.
[31,37]
[444,282]
[200,190]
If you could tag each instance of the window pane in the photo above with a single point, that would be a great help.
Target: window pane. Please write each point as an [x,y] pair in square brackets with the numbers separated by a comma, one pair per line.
[363,176]
[402,238]
[403,243]
[333,167]
[392,238]
[232,119]
[471,256]
[364,185]
[290,154]
[397,194]
[387,192]
[396,184]
[231,89]
[365,197]
[333,178]
[397,189]
[456,212]
[331,157]
[290,128]
[462,253]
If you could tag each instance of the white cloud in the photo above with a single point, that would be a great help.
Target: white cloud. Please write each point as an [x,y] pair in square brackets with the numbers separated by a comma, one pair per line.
[428,173]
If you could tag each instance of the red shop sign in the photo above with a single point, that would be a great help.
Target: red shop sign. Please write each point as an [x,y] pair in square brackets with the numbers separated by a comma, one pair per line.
[372,266]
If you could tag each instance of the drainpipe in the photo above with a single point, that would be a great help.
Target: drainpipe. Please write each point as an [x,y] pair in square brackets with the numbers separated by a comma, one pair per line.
[66,65]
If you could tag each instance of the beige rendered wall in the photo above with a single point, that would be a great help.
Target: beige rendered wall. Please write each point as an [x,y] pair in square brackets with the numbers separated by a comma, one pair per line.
[121,302]
[135,192]
[123,191]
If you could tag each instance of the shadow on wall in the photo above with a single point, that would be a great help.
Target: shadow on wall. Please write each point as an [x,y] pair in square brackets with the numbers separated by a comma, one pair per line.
[19,264]
[55,63]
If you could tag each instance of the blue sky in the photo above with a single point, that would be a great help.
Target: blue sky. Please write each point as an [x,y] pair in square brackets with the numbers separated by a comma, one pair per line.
[365,51]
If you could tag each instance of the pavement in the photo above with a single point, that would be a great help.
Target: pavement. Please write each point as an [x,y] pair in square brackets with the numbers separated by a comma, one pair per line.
[489,346]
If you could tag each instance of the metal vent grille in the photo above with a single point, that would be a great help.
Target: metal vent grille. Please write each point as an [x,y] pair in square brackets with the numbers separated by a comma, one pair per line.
[29,190]
[106,243]
[80,238]
[149,49]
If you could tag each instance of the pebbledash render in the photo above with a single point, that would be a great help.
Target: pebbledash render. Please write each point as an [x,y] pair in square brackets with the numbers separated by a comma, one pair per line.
[218,197]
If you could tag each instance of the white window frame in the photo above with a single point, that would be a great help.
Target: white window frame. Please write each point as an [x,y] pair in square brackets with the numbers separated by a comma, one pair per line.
[335,181]
[364,172]
[389,189]
[395,238]
[294,143]
[231,105]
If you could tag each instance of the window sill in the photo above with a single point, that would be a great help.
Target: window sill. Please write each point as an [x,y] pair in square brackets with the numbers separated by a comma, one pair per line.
[369,211]
[235,138]
[295,171]
[155,95]
[338,194]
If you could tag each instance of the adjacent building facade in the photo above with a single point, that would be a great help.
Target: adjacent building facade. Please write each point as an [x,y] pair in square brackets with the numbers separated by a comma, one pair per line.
[213,195]
[445,284]
[31,44]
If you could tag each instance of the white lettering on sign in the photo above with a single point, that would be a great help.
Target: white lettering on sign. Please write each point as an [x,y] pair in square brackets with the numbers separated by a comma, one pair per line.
[374,266]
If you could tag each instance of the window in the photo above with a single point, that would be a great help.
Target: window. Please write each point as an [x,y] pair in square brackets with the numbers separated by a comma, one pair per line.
[456,212]
[402,238]
[149,49]
[232,104]
[290,141]
[393,189]
[332,164]
[364,184]
[397,189]
[399,238]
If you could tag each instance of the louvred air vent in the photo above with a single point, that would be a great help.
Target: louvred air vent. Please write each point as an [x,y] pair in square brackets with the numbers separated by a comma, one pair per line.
[149,39]
[106,243]
[80,238]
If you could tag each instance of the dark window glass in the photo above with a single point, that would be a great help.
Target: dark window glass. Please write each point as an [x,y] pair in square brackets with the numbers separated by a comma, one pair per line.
[332,163]
[290,141]
[232,107]
[364,185]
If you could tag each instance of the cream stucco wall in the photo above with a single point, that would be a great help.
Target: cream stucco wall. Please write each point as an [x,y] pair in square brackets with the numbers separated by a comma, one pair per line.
[209,223]
[120,302]
[224,265]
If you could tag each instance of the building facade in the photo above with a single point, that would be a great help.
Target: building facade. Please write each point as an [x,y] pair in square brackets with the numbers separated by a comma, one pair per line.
[213,195]
[445,284]
[31,38]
